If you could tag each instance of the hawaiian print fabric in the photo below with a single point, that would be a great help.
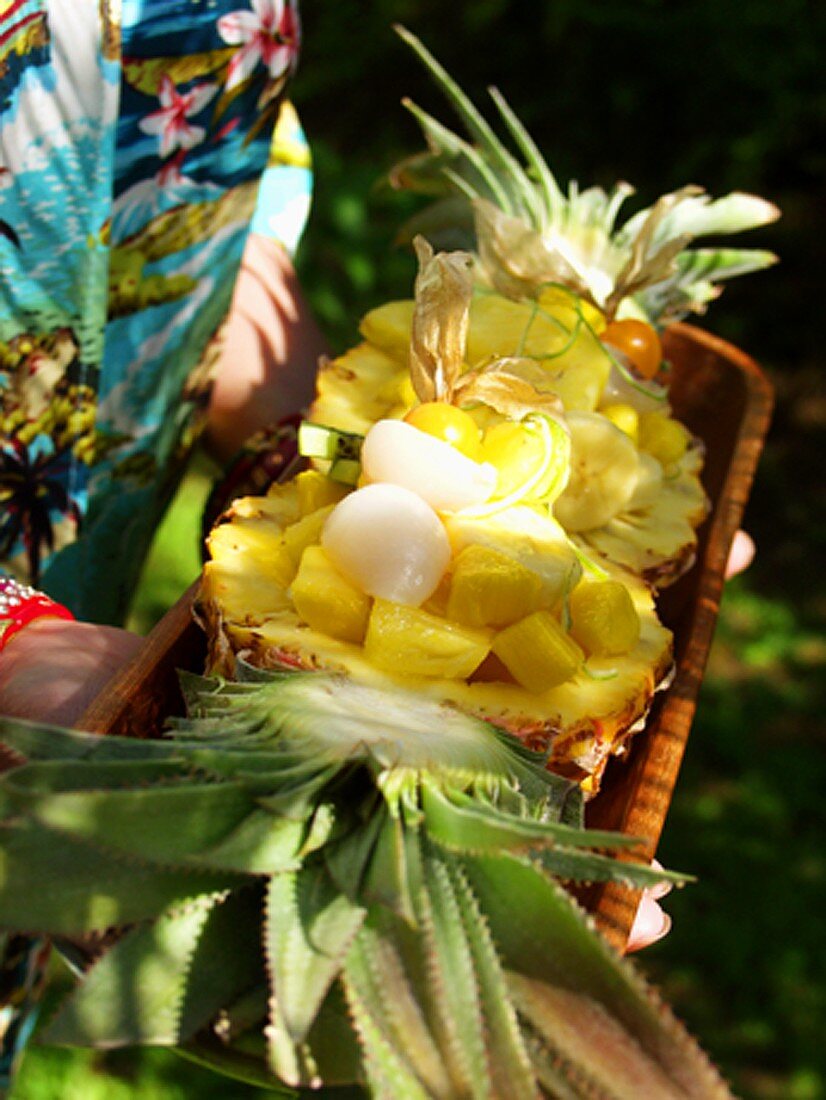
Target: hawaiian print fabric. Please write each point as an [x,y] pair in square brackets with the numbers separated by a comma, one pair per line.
[133,137]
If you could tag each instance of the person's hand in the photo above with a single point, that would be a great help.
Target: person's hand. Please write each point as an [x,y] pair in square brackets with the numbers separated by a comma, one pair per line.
[53,669]
[652,922]
[270,351]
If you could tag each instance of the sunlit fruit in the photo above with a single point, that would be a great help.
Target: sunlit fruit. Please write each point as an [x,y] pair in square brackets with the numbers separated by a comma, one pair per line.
[448,480]
[638,341]
[389,542]
[450,424]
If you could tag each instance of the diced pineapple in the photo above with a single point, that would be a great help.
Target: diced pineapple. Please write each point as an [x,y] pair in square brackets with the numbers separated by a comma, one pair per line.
[389,327]
[315,491]
[412,642]
[604,620]
[326,601]
[537,652]
[527,535]
[298,536]
[663,437]
[490,589]
[253,541]
[626,419]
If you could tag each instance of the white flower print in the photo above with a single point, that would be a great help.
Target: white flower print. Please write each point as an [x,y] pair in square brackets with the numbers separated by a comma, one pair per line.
[170,122]
[269,33]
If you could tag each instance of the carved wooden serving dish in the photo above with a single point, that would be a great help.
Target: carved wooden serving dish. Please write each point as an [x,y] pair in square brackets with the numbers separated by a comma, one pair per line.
[725,399]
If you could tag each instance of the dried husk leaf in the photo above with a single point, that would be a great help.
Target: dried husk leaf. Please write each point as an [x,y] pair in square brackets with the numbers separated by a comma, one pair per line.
[503,389]
[515,257]
[440,321]
[642,269]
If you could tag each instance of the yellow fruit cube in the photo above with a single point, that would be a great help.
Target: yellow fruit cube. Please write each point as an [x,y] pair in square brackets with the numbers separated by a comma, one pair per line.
[306,532]
[625,417]
[663,437]
[315,491]
[328,602]
[389,327]
[537,652]
[604,619]
[413,642]
[490,589]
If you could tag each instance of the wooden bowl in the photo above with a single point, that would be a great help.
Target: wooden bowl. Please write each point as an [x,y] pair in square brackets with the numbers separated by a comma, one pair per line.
[724,398]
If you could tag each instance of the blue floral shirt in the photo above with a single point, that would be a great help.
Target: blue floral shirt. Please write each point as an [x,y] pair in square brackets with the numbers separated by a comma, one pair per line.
[133,140]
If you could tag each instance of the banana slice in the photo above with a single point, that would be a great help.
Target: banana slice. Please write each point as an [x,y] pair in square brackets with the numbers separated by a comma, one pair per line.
[649,483]
[605,469]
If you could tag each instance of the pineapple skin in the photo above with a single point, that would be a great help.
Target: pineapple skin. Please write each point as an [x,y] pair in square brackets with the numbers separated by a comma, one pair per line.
[581,723]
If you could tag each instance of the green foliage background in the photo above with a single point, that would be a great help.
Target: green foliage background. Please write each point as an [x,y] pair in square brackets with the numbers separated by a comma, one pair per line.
[658,92]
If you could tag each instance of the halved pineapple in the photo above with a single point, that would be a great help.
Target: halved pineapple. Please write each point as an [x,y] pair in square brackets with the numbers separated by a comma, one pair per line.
[582,720]
[650,527]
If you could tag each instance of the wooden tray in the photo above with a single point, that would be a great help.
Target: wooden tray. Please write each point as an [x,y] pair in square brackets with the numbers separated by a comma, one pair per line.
[725,399]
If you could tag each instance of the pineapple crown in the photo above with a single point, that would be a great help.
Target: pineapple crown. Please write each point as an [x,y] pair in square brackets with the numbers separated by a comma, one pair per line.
[531,233]
[325,883]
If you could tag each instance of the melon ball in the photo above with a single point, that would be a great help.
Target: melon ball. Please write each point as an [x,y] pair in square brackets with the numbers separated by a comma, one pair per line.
[434,470]
[390,543]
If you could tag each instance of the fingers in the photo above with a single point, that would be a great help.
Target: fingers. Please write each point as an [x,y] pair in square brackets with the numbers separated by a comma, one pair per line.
[651,922]
[741,554]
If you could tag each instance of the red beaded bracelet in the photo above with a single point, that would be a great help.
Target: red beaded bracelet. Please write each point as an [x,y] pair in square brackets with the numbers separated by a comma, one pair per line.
[20,604]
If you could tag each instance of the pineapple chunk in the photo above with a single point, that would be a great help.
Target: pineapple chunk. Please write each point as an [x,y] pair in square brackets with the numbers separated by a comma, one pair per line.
[328,602]
[625,417]
[490,589]
[524,534]
[663,437]
[389,327]
[253,542]
[537,652]
[574,362]
[410,641]
[315,491]
[357,389]
[604,620]
[298,536]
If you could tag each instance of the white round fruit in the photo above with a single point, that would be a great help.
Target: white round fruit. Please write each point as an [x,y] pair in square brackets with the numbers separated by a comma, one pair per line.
[434,470]
[386,540]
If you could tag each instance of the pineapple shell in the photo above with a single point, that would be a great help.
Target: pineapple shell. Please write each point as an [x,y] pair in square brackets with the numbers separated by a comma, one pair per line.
[246,610]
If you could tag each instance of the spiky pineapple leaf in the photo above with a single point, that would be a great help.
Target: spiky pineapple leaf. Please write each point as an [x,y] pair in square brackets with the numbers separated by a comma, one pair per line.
[135,992]
[53,883]
[509,1064]
[309,927]
[386,990]
[160,983]
[170,823]
[582,984]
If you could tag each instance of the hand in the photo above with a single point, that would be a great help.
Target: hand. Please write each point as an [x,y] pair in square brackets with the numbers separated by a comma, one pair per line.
[652,922]
[271,347]
[53,669]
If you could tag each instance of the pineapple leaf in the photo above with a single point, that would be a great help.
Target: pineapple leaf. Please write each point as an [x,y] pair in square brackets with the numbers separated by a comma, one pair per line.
[165,823]
[161,983]
[453,980]
[507,169]
[135,992]
[387,880]
[382,974]
[58,884]
[464,824]
[309,927]
[510,1069]
[581,984]
[36,741]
